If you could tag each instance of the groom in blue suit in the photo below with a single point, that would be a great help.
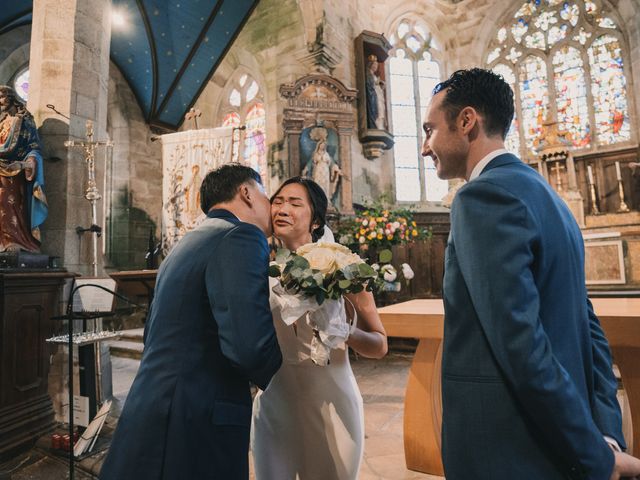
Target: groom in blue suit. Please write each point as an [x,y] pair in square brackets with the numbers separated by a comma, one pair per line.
[209,334]
[527,385]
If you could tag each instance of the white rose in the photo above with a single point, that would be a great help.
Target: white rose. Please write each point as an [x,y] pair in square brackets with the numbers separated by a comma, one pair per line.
[387,232]
[345,259]
[407,272]
[365,223]
[321,259]
[396,225]
[361,240]
[307,247]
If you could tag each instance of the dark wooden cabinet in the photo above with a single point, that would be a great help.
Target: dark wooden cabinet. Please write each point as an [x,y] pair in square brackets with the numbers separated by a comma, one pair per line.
[29,300]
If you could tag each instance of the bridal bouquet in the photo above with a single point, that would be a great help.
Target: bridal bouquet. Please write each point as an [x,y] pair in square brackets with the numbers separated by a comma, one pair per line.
[311,284]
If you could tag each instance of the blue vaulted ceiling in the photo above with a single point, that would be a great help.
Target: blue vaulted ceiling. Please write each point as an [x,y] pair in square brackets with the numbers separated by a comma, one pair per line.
[167,49]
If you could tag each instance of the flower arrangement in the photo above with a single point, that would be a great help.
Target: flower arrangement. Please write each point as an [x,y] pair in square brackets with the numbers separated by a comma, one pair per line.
[322,271]
[378,227]
[388,276]
[310,286]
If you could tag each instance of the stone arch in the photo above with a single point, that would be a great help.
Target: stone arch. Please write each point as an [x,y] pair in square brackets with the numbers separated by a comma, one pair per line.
[430,20]
[14,52]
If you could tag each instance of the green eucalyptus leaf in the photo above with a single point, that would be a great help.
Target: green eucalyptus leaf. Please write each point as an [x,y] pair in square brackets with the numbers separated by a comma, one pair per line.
[385,256]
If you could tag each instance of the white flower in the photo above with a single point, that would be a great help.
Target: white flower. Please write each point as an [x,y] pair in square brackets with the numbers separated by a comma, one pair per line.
[322,260]
[407,272]
[345,239]
[387,232]
[361,240]
[345,259]
[390,276]
[396,225]
[389,273]
[328,257]
[376,267]
[365,223]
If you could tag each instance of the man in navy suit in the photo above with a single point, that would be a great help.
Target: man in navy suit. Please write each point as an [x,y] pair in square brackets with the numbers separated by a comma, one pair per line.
[527,386]
[209,334]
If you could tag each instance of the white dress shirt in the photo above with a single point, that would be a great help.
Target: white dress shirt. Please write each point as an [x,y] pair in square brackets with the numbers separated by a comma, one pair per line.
[477,170]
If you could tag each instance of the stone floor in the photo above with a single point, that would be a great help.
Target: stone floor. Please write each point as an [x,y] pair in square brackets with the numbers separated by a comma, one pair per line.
[382,383]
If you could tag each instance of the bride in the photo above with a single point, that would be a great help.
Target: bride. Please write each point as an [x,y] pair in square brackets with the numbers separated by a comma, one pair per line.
[308,424]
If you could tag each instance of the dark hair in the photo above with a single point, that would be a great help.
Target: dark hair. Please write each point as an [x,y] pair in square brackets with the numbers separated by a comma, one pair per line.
[483,90]
[221,185]
[317,199]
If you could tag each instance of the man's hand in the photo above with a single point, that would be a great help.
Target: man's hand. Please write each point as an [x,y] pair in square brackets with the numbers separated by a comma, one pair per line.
[625,466]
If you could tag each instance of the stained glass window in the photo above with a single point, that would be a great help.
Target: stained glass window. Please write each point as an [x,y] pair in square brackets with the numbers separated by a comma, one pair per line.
[608,84]
[245,107]
[572,71]
[21,85]
[571,95]
[413,73]
[512,141]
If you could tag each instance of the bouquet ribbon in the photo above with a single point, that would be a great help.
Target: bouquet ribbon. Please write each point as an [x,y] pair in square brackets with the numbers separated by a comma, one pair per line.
[329,320]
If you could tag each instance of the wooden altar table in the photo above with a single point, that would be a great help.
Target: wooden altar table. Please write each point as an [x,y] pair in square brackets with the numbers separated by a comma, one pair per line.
[423,319]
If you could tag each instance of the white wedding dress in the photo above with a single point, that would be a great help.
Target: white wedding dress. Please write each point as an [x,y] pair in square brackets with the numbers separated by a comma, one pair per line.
[308,424]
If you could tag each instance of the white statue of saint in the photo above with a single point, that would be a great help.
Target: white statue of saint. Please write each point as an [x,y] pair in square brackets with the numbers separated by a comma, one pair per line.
[322,168]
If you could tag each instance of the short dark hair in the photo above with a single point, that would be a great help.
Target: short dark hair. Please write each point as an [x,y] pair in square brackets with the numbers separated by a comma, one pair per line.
[483,90]
[317,199]
[221,185]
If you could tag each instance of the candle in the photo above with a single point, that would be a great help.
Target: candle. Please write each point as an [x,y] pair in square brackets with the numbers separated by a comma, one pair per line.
[590,172]
[618,176]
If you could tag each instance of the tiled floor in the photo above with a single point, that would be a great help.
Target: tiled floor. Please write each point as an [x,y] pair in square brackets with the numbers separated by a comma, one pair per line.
[382,383]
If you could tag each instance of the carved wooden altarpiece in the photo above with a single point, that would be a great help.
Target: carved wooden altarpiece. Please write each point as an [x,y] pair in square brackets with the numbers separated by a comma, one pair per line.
[320,102]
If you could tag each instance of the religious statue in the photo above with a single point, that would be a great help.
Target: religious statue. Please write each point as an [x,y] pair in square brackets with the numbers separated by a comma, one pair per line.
[23,205]
[376,105]
[321,167]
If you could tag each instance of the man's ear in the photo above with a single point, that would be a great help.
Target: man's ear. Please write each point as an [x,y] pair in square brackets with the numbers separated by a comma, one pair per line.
[468,118]
[245,194]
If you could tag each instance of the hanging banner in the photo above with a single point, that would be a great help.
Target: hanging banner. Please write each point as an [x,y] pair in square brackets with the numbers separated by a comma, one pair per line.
[187,157]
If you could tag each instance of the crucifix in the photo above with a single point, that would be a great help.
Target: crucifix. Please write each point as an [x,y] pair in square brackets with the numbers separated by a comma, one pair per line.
[193,114]
[91,193]
[557,168]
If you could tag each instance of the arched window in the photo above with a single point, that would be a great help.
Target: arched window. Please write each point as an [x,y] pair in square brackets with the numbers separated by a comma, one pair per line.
[244,106]
[413,72]
[21,84]
[564,59]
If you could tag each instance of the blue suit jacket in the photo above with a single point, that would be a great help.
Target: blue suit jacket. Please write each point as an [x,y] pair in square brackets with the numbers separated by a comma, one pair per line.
[209,333]
[528,390]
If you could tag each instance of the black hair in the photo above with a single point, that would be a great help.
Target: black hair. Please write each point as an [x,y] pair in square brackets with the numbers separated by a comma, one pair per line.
[485,91]
[221,185]
[317,199]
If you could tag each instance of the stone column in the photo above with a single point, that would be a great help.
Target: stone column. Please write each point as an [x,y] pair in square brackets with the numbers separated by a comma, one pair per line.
[69,68]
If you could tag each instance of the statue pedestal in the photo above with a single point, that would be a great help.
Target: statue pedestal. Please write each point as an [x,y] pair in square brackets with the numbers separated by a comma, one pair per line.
[29,300]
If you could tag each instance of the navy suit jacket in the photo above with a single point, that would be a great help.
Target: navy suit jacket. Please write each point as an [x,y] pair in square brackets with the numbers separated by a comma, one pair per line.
[527,385]
[209,333]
